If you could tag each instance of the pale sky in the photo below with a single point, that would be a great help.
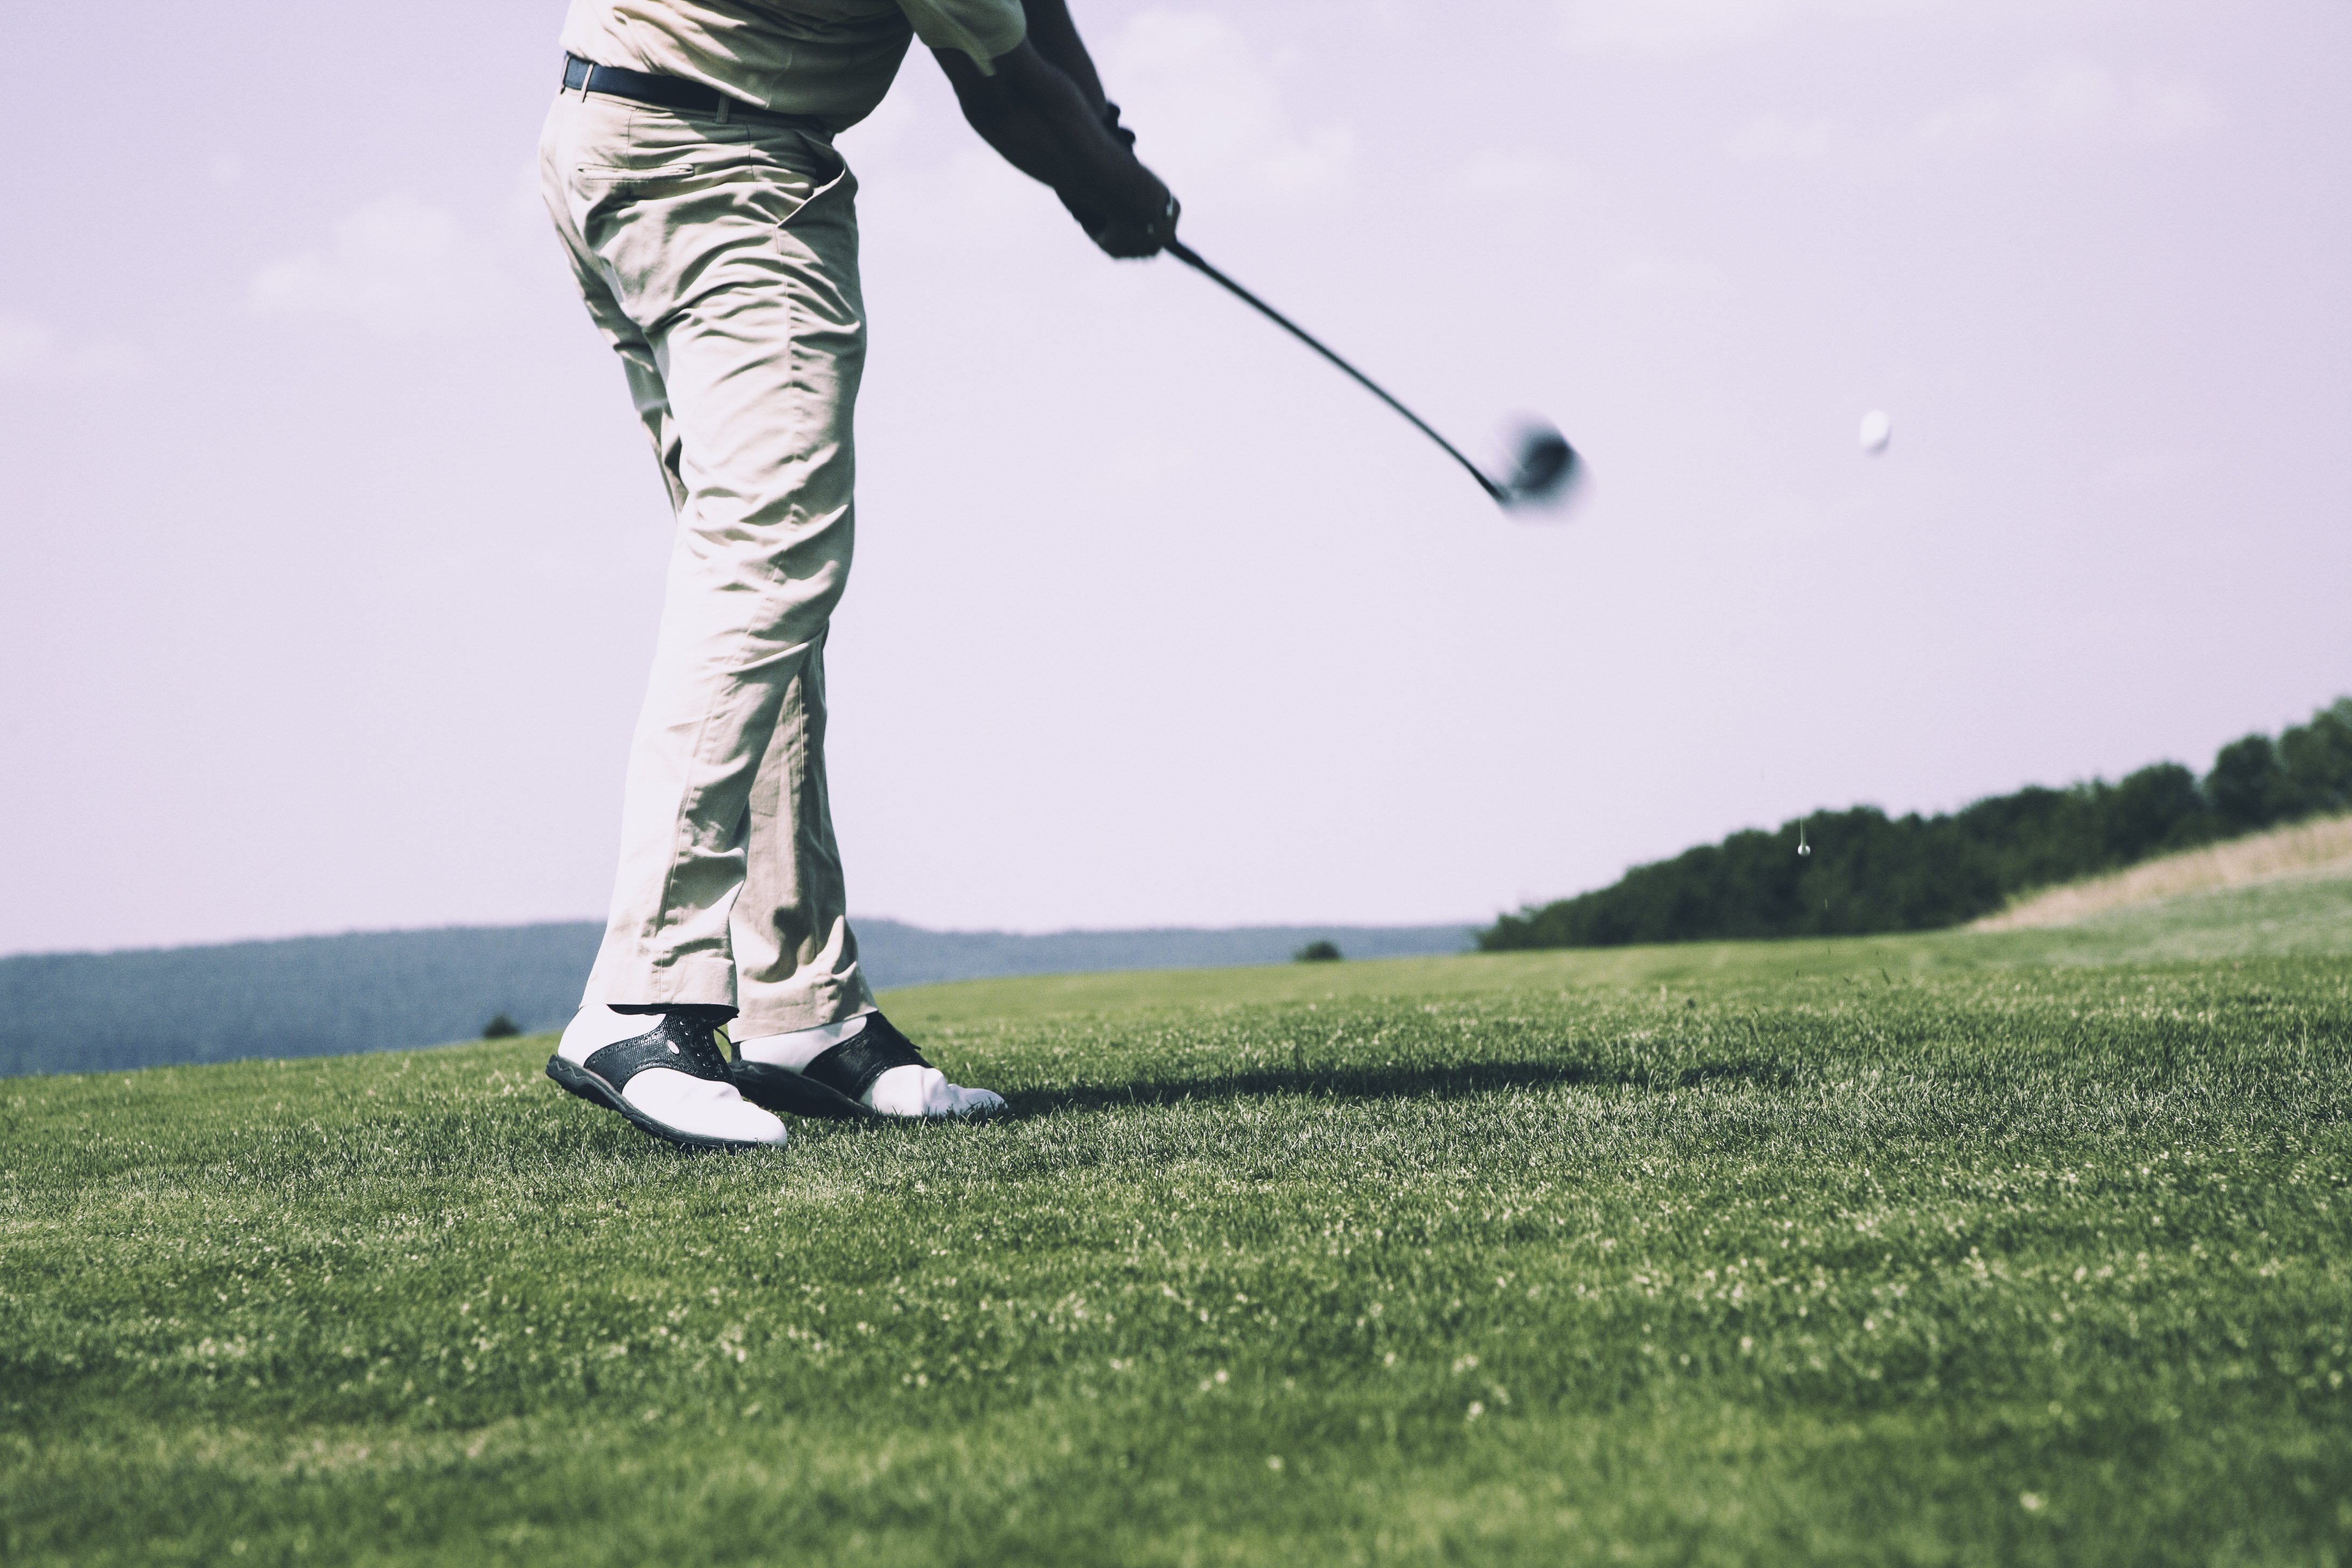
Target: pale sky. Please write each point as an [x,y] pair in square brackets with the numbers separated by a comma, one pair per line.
[332,549]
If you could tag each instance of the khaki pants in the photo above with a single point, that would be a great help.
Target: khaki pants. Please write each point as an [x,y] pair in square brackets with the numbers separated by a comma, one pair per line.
[720,260]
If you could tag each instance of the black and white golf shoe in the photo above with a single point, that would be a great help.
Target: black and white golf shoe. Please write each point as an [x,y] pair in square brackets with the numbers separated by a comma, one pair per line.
[665,1071]
[870,1070]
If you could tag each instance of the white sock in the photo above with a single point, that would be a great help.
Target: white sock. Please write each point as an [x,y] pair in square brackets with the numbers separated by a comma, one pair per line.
[800,1047]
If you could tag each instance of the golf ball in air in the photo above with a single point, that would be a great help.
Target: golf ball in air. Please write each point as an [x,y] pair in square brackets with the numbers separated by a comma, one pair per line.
[1877,429]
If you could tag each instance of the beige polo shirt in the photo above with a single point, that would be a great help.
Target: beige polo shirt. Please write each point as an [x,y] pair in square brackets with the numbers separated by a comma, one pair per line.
[832,58]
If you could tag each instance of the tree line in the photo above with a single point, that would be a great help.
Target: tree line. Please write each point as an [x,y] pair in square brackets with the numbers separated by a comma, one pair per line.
[1869,872]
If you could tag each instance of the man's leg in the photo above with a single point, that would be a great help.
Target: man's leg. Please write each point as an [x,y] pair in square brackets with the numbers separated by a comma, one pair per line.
[795,957]
[730,256]
[731,252]
[810,1037]
[722,265]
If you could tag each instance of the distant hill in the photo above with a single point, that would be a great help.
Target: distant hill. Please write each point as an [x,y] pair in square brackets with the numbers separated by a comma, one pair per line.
[375,991]
[1859,871]
[2309,850]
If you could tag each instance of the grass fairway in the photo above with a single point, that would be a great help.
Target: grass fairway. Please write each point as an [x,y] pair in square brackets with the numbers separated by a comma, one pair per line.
[1993,1248]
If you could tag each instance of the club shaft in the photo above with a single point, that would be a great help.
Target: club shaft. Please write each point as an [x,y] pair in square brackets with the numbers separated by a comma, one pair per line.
[1186,255]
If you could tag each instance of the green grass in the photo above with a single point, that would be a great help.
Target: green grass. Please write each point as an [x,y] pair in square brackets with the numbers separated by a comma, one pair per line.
[1965,1249]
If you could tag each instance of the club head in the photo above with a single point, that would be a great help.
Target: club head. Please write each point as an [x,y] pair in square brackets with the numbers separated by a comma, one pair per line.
[1544,469]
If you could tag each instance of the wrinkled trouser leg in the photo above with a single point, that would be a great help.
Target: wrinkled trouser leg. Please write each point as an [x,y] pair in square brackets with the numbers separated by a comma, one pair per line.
[722,263]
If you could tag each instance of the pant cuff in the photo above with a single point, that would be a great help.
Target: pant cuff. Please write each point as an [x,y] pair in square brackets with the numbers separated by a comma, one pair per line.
[707,983]
[834,1002]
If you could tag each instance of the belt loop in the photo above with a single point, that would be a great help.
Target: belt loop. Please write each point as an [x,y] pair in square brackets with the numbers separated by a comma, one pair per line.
[724,101]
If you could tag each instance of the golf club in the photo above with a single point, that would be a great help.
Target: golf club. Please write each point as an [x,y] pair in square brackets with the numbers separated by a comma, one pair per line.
[1544,464]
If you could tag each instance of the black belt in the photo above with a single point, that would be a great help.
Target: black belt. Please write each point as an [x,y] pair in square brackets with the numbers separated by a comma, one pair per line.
[675,92]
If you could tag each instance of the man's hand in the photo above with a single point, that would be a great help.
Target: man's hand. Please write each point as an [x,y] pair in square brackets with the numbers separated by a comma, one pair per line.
[1132,241]
[1049,120]
[1128,238]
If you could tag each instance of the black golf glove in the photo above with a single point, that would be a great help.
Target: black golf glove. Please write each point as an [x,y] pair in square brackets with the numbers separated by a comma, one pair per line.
[1125,137]
[1127,238]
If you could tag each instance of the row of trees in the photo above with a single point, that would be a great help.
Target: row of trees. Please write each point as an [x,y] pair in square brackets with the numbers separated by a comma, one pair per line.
[1871,872]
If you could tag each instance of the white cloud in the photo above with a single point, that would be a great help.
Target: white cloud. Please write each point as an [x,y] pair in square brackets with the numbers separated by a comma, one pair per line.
[1641,273]
[2074,101]
[2065,102]
[396,266]
[1491,176]
[1773,139]
[1661,25]
[2150,473]
[32,350]
[1667,23]
[1205,103]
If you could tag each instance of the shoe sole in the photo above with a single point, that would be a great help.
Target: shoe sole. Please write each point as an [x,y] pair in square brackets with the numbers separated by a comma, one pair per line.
[785,1091]
[579,1080]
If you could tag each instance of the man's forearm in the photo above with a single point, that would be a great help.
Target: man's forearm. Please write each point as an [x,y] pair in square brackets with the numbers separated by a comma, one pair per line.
[1056,37]
[1025,134]
[1039,119]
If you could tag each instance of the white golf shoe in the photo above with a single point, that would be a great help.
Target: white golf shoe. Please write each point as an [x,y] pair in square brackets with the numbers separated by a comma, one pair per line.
[864,1067]
[666,1071]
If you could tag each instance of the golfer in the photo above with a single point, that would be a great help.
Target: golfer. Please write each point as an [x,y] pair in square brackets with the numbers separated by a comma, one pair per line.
[689,167]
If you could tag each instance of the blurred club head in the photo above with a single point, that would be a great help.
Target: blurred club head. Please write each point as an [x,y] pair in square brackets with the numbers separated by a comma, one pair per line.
[1542,470]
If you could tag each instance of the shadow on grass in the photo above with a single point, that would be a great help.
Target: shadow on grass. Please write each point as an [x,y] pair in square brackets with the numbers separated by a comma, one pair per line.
[1454,1081]
[1398,1082]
